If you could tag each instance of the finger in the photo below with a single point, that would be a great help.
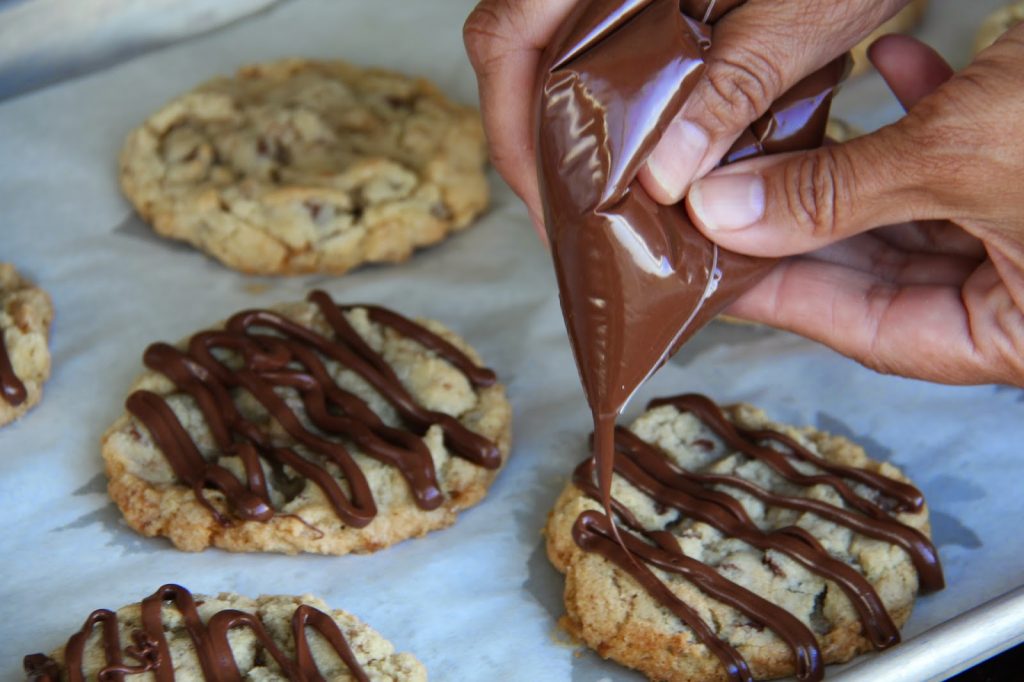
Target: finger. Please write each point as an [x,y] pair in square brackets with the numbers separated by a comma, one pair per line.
[758,52]
[911,69]
[870,254]
[504,40]
[917,331]
[797,203]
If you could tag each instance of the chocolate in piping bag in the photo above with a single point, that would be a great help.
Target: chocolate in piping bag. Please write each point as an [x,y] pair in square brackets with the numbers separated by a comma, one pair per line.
[636,278]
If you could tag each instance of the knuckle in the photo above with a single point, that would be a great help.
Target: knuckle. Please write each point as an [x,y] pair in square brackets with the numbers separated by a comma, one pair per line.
[744,83]
[816,193]
[485,29]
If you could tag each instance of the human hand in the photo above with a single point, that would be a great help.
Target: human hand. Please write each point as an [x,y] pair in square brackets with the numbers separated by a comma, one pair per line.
[760,50]
[938,293]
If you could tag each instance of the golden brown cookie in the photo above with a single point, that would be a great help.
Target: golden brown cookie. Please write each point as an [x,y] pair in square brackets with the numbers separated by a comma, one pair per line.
[302,166]
[195,637]
[309,427]
[841,131]
[25,316]
[752,545]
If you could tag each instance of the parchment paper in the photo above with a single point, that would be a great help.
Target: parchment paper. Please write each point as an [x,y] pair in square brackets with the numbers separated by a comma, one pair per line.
[44,41]
[478,601]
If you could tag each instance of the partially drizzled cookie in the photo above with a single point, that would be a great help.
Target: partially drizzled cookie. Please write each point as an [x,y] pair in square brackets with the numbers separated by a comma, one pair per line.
[174,635]
[304,166]
[752,549]
[309,427]
[25,316]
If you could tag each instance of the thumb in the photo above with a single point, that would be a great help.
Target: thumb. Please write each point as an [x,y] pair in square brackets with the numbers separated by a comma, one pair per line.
[797,203]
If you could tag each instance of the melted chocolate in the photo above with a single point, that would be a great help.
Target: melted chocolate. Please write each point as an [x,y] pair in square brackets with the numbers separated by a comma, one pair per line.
[11,387]
[702,497]
[150,652]
[293,357]
[636,278]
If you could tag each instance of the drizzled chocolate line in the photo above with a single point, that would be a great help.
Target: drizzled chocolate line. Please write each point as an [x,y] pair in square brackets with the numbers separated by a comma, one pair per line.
[11,387]
[906,497]
[293,358]
[880,524]
[212,647]
[594,533]
[646,468]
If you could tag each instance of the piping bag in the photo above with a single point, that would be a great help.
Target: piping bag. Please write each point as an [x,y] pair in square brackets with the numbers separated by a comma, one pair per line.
[636,279]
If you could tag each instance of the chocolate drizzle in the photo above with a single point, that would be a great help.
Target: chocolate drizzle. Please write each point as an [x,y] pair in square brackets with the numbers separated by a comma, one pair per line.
[701,497]
[287,355]
[11,387]
[151,653]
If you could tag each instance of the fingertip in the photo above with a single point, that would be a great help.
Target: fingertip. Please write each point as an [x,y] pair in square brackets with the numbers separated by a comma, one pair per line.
[912,69]
[675,161]
[727,203]
[655,187]
[886,45]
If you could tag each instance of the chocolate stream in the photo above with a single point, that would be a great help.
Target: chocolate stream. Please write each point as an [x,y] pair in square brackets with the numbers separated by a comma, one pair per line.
[636,279]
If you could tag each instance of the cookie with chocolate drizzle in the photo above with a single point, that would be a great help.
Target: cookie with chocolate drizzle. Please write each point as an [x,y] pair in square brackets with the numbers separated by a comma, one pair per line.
[311,427]
[175,635]
[25,316]
[755,550]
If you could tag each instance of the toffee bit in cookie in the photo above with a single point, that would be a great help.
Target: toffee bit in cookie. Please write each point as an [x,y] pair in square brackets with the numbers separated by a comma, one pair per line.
[266,638]
[773,567]
[314,209]
[440,211]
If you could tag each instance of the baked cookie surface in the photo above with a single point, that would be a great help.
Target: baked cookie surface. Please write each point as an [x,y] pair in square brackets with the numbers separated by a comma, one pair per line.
[302,166]
[841,131]
[173,634]
[309,427]
[25,316]
[748,557]
[999,23]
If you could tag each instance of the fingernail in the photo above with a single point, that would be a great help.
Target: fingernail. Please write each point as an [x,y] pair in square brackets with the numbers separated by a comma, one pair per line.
[728,202]
[675,160]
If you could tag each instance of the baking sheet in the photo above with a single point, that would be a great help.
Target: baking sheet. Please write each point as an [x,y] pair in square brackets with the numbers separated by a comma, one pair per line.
[477,601]
[43,41]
